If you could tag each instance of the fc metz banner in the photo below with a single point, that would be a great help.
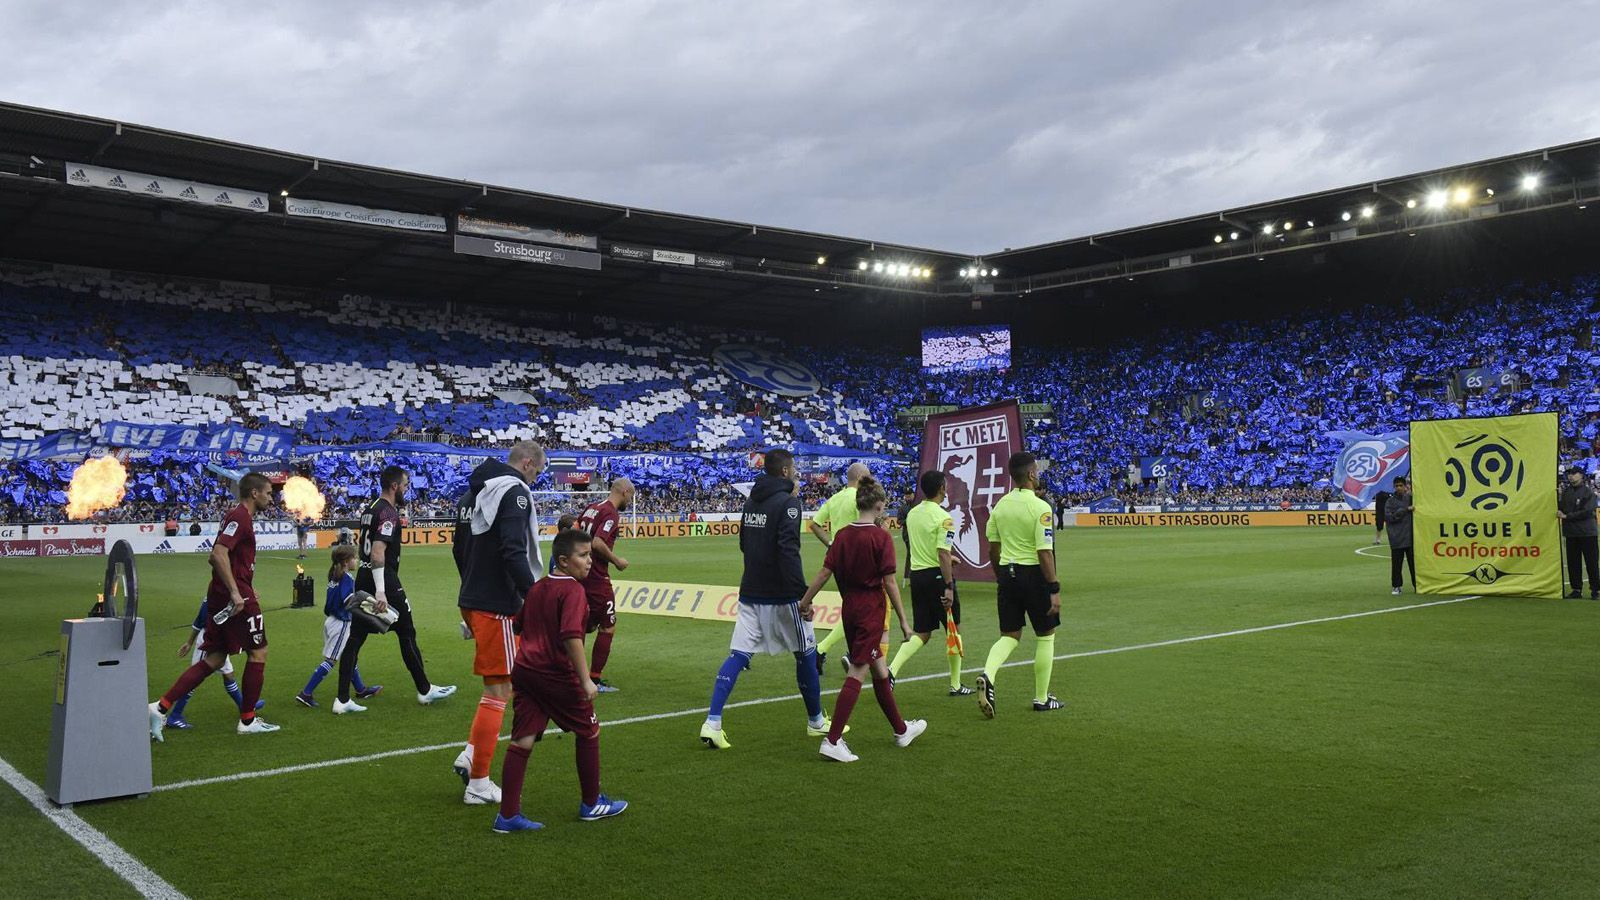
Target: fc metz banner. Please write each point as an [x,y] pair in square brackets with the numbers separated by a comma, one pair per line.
[971,447]
[180,189]
[1486,506]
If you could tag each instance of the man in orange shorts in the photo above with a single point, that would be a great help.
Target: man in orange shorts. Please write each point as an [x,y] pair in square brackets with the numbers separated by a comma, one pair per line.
[497,553]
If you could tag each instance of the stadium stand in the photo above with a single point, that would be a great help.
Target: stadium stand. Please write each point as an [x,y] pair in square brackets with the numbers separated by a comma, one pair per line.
[82,348]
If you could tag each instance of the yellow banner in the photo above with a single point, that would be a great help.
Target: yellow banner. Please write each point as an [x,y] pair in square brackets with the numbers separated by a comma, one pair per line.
[1312,518]
[1486,506]
[704,601]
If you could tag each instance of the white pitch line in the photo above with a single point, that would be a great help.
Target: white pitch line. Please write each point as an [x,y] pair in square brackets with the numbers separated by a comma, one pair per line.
[700,710]
[1362,551]
[118,860]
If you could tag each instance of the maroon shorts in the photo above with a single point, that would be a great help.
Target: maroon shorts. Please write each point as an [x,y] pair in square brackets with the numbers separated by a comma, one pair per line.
[539,698]
[243,631]
[864,628]
[602,607]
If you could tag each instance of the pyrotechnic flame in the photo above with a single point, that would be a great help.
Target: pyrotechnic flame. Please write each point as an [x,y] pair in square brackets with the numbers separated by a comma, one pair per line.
[299,569]
[301,497]
[97,484]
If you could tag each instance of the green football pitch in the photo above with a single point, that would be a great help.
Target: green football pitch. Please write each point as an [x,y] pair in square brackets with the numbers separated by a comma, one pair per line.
[1249,713]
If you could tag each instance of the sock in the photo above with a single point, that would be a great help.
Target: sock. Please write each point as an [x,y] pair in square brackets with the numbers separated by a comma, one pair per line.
[186,683]
[602,652]
[511,772]
[1044,661]
[955,671]
[254,674]
[904,654]
[998,654]
[805,675]
[891,710]
[723,687]
[232,687]
[355,680]
[177,708]
[316,677]
[485,733]
[842,706]
[831,641]
[589,769]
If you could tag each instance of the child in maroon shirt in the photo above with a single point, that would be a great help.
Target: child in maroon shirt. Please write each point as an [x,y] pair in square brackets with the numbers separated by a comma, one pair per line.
[861,560]
[550,683]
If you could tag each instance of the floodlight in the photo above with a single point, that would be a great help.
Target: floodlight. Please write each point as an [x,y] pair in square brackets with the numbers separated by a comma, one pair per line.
[1367,211]
[1344,216]
[1530,181]
[1436,199]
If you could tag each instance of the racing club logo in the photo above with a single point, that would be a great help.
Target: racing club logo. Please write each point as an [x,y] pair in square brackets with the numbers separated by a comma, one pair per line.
[1486,469]
[1370,463]
[767,370]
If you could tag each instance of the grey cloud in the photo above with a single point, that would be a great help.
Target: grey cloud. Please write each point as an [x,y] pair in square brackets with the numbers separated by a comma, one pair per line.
[954,125]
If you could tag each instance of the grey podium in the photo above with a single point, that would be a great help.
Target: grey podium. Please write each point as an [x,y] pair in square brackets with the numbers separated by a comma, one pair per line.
[99,726]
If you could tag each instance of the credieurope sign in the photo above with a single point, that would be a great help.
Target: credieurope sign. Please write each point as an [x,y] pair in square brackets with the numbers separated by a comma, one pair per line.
[361,215]
[529,253]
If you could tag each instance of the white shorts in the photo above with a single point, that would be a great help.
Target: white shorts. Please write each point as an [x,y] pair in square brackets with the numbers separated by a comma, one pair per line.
[772,628]
[196,656]
[334,635]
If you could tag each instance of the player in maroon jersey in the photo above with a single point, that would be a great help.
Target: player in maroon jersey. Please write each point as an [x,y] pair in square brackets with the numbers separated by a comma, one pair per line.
[861,561]
[232,599]
[549,683]
[601,522]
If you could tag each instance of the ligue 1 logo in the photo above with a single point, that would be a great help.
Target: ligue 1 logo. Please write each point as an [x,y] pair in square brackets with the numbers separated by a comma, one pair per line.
[1487,468]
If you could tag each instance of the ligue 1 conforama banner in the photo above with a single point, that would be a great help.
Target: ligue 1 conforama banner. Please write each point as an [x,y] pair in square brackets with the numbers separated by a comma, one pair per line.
[1486,506]
[971,447]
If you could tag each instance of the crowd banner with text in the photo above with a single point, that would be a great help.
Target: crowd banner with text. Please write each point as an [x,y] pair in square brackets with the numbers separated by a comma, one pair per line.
[674,257]
[1156,466]
[529,253]
[1370,463]
[225,440]
[361,215]
[1486,505]
[60,444]
[165,188]
[972,447]
[494,228]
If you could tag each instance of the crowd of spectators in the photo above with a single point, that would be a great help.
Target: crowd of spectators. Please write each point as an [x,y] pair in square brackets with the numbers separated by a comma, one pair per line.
[1244,410]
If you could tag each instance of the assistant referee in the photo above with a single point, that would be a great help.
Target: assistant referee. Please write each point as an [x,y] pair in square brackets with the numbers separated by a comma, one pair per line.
[929,531]
[1021,537]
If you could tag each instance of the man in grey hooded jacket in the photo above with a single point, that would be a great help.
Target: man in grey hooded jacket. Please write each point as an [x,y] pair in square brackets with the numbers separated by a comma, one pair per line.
[497,553]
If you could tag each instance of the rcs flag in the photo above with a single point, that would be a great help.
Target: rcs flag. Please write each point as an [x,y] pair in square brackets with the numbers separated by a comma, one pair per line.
[971,447]
[1486,506]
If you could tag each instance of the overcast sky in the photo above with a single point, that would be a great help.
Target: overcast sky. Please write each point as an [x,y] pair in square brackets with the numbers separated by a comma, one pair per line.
[959,126]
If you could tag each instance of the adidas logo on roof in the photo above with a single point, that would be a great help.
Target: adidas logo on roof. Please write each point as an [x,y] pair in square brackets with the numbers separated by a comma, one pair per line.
[116,181]
[189,193]
[154,187]
[223,198]
[79,175]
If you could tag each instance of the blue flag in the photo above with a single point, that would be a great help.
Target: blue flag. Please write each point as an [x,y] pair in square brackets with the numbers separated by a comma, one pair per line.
[1369,463]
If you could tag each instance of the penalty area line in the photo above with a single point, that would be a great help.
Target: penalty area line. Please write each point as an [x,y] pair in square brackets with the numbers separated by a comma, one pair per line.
[700,710]
[124,864]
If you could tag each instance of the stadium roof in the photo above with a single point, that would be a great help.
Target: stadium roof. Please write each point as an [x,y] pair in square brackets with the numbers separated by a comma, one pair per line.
[728,270]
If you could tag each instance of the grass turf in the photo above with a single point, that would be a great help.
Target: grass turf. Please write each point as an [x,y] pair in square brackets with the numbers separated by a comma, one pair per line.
[1444,751]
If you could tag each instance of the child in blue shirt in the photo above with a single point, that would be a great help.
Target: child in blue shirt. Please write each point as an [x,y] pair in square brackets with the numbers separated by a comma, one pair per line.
[336,626]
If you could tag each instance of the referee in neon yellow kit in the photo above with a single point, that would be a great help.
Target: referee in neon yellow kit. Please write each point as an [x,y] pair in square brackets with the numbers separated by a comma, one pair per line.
[1021,537]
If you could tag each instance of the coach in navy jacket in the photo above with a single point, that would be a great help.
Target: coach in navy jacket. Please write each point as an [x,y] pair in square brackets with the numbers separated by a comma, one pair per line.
[769,536]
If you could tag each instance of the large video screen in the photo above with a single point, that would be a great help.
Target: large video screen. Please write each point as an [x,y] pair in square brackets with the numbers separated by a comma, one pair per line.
[966,348]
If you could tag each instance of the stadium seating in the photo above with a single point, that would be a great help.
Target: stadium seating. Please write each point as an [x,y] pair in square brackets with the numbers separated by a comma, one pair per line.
[78,348]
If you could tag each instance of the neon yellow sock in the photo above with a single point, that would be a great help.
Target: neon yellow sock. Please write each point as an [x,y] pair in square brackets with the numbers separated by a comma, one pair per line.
[832,640]
[904,654]
[998,654]
[1044,662]
[955,671]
